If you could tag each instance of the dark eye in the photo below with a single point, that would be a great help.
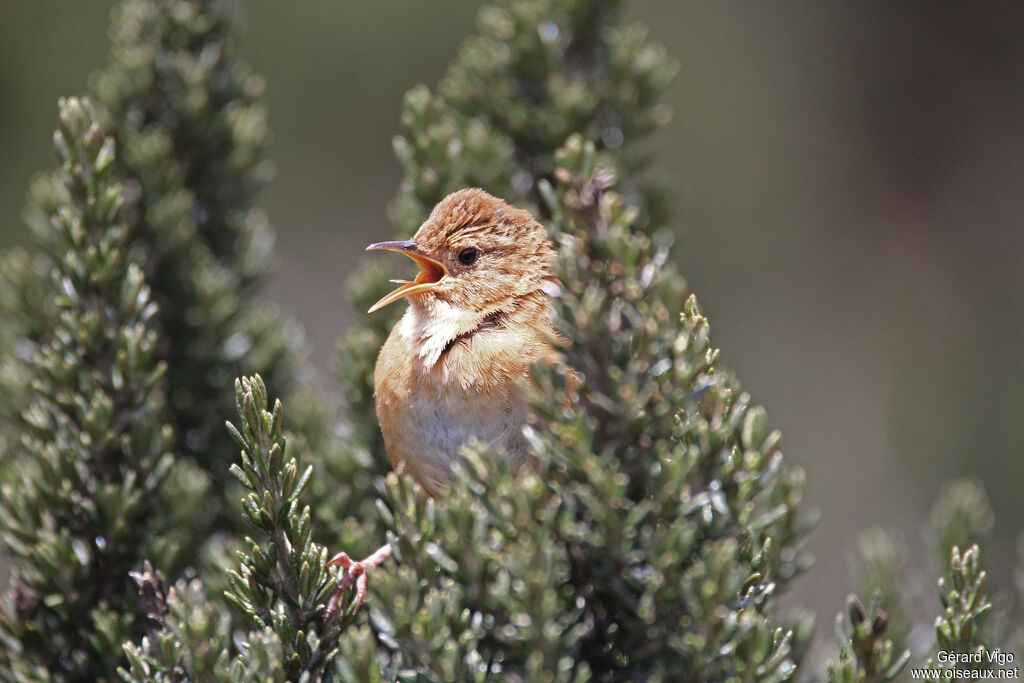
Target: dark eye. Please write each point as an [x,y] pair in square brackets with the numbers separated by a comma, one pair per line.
[467,256]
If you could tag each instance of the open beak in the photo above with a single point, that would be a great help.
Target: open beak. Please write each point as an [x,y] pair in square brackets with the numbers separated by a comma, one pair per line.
[431,272]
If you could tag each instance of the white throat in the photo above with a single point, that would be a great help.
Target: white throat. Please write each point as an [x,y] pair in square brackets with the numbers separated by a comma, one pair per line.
[429,324]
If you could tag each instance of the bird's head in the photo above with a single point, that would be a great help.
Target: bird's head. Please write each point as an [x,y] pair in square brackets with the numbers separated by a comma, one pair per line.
[476,254]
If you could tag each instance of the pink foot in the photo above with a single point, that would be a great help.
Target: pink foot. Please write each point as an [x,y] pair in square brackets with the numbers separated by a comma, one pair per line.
[354,571]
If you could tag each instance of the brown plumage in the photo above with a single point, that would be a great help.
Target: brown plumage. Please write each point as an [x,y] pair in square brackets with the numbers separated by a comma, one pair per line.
[478,317]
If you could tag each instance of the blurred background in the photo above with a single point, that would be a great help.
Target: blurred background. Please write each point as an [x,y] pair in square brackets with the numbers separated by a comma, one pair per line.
[849,198]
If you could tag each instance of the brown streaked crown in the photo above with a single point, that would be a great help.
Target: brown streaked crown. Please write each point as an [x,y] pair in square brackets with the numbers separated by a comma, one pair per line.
[514,254]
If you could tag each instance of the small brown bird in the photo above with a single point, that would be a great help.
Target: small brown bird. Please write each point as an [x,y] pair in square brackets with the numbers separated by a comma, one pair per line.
[478,317]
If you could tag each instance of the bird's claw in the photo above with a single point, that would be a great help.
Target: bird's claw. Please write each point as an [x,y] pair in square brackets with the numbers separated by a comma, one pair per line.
[354,571]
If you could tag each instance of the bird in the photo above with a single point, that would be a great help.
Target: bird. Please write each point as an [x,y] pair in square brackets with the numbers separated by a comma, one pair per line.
[454,367]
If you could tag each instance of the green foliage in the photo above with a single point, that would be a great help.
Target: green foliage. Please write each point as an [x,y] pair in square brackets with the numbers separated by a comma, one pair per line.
[865,652]
[194,634]
[679,478]
[26,301]
[880,570]
[282,585]
[480,588]
[90,451]
[195,643]
[537,72]
[187,239]
[189,117]
[284,580]
[968,623]
[964,596]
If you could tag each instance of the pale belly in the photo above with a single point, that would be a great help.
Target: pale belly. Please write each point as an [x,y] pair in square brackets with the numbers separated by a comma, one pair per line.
[427,432]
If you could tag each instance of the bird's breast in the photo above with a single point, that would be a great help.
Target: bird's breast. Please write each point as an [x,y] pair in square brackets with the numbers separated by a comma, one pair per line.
[472,391]
[425,429]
